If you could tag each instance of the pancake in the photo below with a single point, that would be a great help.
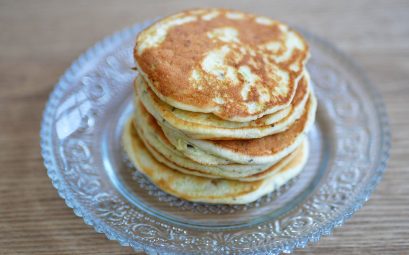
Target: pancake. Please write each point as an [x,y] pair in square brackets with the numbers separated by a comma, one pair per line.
[156,142]
[209,126]
[200,189]
[237,66]
[266,150]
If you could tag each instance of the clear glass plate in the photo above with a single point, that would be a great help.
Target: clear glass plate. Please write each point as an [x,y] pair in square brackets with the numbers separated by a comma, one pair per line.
[80,141]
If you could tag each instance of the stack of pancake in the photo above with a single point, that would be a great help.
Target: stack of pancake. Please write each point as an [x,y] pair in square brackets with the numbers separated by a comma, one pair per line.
[223,105]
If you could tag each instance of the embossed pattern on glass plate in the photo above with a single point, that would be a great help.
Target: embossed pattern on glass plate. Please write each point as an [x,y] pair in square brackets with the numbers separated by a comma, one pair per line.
[79,141]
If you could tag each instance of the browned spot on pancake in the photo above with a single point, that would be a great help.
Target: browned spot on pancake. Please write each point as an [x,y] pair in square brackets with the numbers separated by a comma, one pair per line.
[215,182]
[170,65]
[253,95]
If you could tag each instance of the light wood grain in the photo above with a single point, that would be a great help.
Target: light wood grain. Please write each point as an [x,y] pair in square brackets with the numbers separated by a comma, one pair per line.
[39,39]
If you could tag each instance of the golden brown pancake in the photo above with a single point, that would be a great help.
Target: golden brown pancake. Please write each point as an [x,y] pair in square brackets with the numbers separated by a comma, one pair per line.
[236,65]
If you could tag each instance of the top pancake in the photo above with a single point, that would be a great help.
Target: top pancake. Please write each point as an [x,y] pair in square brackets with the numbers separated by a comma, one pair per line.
[235,65]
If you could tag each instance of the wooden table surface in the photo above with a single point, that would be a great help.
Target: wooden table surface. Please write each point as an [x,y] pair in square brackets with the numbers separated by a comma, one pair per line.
[39,40]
